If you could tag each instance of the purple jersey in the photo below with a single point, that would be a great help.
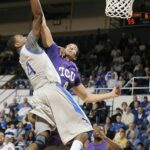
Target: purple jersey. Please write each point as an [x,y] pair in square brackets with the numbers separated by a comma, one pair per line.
[67,70]
[102,146]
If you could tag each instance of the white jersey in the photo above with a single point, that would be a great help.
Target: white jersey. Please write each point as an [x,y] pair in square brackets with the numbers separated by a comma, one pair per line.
[36,64]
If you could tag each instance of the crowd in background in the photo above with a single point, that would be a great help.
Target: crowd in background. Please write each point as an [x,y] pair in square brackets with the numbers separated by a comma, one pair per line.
[104,64]
[129,126]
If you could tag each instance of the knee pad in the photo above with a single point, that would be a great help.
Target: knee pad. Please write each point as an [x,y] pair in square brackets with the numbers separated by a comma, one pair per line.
[41,141]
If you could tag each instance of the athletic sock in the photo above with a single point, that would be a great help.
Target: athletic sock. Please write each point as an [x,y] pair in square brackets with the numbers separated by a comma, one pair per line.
[76,145]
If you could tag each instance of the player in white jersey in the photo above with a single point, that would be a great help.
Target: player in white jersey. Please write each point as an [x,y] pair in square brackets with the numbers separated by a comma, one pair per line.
[53,106]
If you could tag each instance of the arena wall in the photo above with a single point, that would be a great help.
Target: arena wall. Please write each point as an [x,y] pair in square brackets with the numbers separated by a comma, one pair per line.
[113,103]
[77,24]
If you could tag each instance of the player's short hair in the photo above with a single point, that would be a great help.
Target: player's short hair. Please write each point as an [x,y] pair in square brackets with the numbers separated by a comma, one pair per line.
[11,43]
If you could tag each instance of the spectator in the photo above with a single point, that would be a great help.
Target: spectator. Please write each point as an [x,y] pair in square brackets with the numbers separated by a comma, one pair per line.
[132,103]
[12,130]
[124,106]
[112,82]
[132,127]
[21,142]
[14,105]
[129,146]
[139,117]
[24,104]
[23,111]
[113,117]
[31,137]
[8,145]
[121,81]
[20,129]
[135,58]
[133,139]
[128,117]
[101,141]
[107,128]
[2,137]
[144,103]
[87,107]
[6,108]
[136,106]
[118,124]
[109,74]
[121,140]
[140,146]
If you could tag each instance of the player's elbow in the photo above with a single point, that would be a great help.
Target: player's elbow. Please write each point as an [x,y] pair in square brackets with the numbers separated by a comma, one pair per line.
[86,99]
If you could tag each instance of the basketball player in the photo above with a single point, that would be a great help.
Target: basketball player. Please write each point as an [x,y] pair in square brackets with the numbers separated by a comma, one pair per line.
[53,106]
[67,69]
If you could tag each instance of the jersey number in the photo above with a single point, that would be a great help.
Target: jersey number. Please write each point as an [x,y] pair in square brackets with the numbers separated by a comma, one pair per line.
[30,70]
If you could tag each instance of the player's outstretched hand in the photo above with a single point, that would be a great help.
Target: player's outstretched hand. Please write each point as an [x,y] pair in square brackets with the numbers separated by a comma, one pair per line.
[116,91]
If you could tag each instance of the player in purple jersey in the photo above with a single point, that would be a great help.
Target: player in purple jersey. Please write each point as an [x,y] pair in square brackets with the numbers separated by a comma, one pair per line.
[102,142]
[68,70]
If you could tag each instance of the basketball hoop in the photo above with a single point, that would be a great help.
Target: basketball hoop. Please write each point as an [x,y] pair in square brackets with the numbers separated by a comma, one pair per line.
[119,8]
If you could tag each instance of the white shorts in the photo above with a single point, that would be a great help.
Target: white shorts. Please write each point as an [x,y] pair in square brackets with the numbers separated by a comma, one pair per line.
[56,106]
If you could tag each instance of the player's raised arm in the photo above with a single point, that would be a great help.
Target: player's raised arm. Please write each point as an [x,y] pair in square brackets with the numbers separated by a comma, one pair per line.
[88,97]
[46,35]
[37,17]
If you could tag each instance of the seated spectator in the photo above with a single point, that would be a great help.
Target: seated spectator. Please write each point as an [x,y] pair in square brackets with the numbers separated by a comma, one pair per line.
[31,137]
[133,139]
[113,117]
[109,74]
[147,109]
[2,138]
[129,146]
[132,103]
[8,144]
[144,103]
[20,129]
[112,82]
[3,124]
[23,111]
[102,112]
[140,146]
[101,141]
[132,127]
[124,106]
[8,121]
[24,104]
[140,116]
[107,128]
[128,117]
[121,140]
[147,143]
[14,105]
[118,124]
[12,130]
[6,108]
[21,142]
[13,116]
[87,107]
[136,106]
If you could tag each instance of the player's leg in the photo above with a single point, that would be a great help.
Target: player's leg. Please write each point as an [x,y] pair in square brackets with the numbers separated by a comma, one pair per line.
[43,132]
[79,141]
[69,129]
[40,142]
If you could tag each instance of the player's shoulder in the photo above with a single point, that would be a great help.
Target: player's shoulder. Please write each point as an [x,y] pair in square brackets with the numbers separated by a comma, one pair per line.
[73,65]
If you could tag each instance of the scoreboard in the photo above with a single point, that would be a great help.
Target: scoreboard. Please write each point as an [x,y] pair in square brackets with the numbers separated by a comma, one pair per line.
[138,19]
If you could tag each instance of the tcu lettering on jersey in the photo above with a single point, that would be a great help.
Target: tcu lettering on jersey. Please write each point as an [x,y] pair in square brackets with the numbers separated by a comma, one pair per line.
[67,73]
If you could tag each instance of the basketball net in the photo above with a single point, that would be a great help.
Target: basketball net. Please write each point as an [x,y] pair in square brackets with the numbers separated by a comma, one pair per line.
[119,8]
